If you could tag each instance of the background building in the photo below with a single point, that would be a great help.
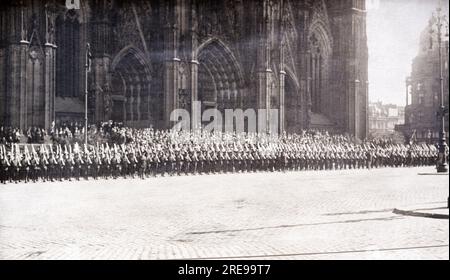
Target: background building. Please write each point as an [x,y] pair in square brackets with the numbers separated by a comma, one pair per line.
[307,58]
[423,91]
[383,118]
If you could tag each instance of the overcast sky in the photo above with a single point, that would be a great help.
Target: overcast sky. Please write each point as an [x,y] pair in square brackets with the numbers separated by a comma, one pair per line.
[393,30]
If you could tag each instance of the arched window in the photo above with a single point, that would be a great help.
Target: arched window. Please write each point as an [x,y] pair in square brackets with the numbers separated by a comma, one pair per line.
[320,47]
[316,62]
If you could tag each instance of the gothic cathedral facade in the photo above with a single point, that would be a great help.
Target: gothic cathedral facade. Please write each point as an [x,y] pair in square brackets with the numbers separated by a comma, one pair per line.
[306,58]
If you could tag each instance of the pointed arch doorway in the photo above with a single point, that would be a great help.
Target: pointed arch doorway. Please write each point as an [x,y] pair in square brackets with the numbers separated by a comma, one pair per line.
[220,80]
[129,100]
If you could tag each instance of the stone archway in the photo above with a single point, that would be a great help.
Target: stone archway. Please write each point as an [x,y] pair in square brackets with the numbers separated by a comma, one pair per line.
[219,77]
[129,100]
[115,102]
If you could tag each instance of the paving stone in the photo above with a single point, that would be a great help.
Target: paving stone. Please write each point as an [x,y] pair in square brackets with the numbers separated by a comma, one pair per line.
[295,215]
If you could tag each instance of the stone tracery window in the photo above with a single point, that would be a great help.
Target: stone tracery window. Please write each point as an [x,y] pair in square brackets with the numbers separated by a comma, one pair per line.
[316,73]
[68,60]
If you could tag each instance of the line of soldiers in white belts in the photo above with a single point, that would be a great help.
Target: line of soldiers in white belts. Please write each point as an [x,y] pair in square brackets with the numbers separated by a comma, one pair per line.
[50,163]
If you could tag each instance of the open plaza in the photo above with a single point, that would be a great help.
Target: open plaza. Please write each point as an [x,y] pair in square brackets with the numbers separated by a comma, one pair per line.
[341,214]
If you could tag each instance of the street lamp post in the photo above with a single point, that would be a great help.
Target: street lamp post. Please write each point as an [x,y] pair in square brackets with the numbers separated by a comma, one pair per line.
[440,20]
[87,70]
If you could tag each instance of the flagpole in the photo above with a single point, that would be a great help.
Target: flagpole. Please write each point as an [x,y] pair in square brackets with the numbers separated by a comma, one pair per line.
[87,66]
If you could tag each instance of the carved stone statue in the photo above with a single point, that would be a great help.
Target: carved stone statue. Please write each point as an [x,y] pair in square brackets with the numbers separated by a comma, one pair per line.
[51,31]
[107,100]
[183,99]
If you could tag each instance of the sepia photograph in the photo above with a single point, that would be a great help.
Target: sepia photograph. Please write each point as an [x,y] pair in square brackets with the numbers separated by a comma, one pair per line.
[232,130]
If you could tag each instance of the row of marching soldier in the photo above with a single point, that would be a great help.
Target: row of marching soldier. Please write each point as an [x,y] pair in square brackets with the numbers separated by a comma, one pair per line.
[149,153]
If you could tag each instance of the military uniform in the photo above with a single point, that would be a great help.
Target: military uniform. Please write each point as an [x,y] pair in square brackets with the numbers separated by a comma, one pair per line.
[195,161]
[96,166]
[77,166]
[133,164]
[87,166]
[179,161]
[171,163]
[15,168]
[44,163]
[25,168]
[4,169]
[125,166]
[69,167]
[142,165]
[34,168]
[105,167]
[116,165]
[163,158]
[153,163]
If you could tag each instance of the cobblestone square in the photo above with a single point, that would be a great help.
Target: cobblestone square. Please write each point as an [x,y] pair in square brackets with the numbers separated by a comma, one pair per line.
[296,215]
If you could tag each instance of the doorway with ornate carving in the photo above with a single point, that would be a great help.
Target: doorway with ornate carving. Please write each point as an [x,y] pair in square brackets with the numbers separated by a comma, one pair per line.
[130,100]
[219,77]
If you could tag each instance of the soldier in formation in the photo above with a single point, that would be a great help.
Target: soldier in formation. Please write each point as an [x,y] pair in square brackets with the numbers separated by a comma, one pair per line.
[151,153]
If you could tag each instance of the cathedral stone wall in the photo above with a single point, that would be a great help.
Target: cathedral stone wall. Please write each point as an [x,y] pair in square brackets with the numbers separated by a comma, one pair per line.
[306,58]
